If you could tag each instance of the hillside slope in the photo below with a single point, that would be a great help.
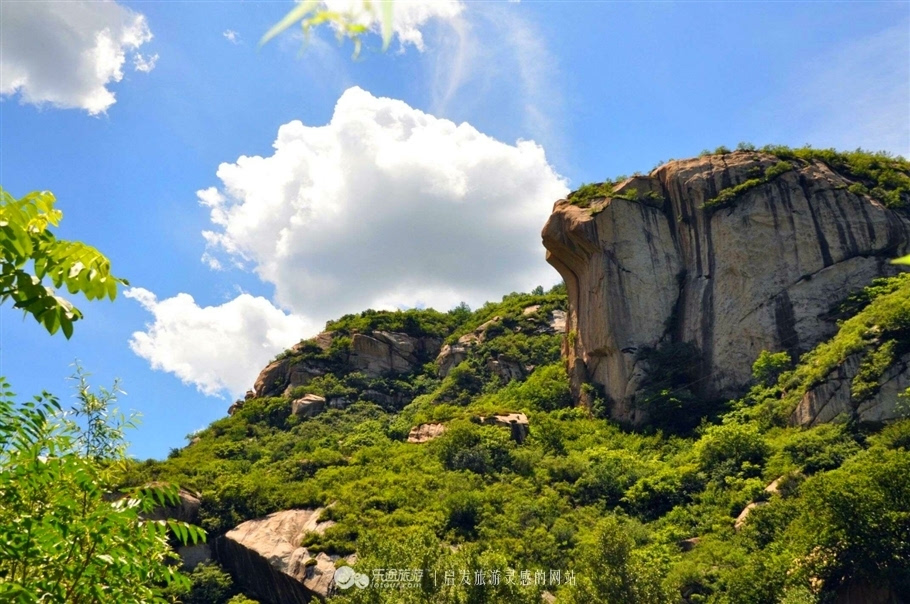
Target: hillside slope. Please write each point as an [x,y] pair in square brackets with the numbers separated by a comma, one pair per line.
[444,458]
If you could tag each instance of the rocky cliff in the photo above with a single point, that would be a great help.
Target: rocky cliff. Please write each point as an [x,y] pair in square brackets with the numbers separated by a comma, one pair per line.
[733,253]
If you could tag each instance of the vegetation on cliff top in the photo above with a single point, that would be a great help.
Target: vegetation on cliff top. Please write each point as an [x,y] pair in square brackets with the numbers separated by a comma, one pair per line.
[880,175]
[601,513]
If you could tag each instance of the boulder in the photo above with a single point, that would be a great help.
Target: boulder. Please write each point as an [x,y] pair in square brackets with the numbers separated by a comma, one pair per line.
[339,402]
[506,368]
[386,401]
[744,515]
[265,557]
[273,379]
[185,510]
[760,274]
[687,545]
[235,407]
[450,356]
[480,334]
[281,376]
[516,422]
[832,397]
[301,374]
[310,405]
[382,352]
[425,432]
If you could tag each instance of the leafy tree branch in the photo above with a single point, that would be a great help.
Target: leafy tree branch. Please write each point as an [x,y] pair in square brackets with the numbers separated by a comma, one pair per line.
[30,253]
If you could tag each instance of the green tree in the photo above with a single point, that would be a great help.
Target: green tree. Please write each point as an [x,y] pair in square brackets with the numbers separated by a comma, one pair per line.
[612,571]
[27,243]
[66,533]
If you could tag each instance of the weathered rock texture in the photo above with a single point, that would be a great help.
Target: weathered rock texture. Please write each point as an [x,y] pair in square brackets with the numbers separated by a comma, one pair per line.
[758,275]
[265,557]
[382,352]
[506,368]
[310,405]
[832,398]
[283,375]
[425,432]
[373,354]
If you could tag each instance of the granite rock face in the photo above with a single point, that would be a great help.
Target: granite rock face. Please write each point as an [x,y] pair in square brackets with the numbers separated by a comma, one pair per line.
[383,352]
[761,274]
[833,397]
[265,557]
[374,354]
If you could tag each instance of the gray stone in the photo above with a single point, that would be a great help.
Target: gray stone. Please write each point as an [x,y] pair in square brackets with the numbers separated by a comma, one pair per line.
[832,397]
[761,274]
[266,558]
[449,357]
[516,422]
[744,515]
[310,405]
[192,556]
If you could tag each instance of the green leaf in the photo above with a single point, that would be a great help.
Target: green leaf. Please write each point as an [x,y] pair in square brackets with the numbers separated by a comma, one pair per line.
[387,11]
[296,14]
[903,260]
[25,239]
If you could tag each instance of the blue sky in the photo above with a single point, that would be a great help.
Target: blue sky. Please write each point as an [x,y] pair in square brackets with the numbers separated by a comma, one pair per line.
[418,176]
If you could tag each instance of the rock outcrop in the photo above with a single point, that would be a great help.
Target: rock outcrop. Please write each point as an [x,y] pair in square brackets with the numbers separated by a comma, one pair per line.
[286,373]
[374,354]
[382,352]
[833,397]
[265,557]
[310,405]
[507,369]
[425,432]
[761,274]
[517,423]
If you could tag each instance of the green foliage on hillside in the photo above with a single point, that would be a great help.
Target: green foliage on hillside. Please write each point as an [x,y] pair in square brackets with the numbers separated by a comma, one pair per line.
[879,333]
[880,175]
[591,512]
[413,322]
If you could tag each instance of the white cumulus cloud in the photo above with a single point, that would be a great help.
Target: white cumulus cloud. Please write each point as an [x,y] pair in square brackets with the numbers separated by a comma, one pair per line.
[383,207]
[216,348]
[386,204]
[67,53]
